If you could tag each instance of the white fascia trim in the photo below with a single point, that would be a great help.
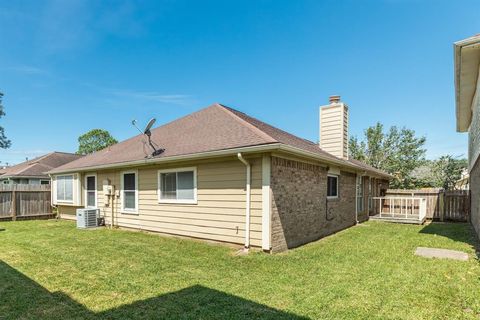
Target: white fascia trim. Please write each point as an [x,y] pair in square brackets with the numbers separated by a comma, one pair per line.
[328,160]
[227,152]
[200,155]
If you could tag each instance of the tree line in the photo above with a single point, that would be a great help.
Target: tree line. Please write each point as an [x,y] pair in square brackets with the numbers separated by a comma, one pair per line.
[401,153]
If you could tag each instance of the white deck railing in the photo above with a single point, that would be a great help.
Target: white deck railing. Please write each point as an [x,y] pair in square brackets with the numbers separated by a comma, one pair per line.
[400,207]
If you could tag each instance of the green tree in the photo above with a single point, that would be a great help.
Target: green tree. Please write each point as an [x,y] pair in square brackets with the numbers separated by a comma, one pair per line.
[4,142]
[446,171]
[94,140]
[397,151]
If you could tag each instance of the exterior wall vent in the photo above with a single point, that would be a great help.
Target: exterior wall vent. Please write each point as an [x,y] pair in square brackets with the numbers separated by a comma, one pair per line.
[334,127]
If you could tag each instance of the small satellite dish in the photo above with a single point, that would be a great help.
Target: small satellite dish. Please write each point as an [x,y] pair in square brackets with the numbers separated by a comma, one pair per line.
[148,133]
[149,126]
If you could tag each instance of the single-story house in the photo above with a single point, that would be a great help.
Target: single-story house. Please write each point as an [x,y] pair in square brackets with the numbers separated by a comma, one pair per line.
[34,171]
[228,177]
[467,105]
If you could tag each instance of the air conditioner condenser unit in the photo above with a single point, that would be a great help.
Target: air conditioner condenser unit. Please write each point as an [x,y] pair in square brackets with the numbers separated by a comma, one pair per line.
[87,218]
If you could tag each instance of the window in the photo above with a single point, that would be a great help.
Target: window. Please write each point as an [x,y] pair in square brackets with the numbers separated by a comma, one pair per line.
[332,186]
[44,181]
[129,192]
[178,185]
[65,188]
[91,191]
[359,194]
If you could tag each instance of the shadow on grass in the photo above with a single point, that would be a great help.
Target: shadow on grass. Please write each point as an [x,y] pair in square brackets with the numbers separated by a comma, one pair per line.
[21,297]
[461,232]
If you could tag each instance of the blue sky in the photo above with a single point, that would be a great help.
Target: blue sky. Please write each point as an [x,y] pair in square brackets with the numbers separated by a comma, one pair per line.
[70,66]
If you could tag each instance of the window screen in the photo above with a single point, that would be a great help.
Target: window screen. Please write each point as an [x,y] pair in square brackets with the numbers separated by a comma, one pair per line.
[332,186]
[65,188]
[91,192]
[177,185]
[129,191]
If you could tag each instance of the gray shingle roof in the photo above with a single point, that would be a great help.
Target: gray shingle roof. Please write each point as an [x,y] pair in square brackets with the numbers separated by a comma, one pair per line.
[211,129]
[38,167]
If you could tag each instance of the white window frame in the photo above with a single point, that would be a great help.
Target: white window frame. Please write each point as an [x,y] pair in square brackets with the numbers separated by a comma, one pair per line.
[181,201]
[86,191]
[122,196]
[73,188]
[338,180]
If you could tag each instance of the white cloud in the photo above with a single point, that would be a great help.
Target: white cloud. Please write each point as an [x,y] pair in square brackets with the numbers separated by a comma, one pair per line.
[26,69]
[178,99]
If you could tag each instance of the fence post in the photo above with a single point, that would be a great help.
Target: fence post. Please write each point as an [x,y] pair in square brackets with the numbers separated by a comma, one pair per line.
[14,205]
[441,209]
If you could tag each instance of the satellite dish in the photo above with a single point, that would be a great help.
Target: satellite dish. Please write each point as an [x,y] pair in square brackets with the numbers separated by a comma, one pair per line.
[149,126]
[148,133]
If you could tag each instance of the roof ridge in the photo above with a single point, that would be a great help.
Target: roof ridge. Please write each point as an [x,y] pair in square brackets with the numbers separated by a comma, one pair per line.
[263,122]
[260,132]
[63,152]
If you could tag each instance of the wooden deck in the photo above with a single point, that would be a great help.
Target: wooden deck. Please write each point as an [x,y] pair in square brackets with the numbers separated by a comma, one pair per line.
[397,218]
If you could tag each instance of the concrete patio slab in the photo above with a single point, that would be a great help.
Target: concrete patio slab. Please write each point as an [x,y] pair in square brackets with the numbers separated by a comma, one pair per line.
[441,253]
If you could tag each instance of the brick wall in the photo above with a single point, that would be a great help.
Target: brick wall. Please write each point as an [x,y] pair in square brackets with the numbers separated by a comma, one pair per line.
[300,210]
[475,196]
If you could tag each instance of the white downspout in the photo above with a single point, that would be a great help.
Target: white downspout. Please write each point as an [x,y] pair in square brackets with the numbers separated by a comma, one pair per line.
[247,202]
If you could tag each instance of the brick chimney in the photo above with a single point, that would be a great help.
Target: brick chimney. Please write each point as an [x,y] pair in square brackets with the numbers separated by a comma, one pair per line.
[334,127]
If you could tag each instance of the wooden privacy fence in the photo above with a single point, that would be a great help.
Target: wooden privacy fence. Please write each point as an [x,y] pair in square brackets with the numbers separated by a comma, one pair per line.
[441,205]
[23,201]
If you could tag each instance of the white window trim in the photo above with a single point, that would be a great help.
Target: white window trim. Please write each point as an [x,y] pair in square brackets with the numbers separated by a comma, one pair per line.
[56,189]
[338,180]
[86,190]
[122,209]
[180,201]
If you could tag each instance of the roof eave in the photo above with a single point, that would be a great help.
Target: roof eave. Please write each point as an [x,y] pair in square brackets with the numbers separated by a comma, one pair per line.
[13,176]
[192,156]
[462,104]
[225,152]
[329,160]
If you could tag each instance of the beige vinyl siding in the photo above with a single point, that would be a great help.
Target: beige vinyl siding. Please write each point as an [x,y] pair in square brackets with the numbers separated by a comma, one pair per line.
[333,129]
[219,213]
[67,212]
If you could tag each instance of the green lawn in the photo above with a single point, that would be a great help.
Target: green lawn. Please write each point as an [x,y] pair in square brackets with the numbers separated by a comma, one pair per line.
[50,270]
